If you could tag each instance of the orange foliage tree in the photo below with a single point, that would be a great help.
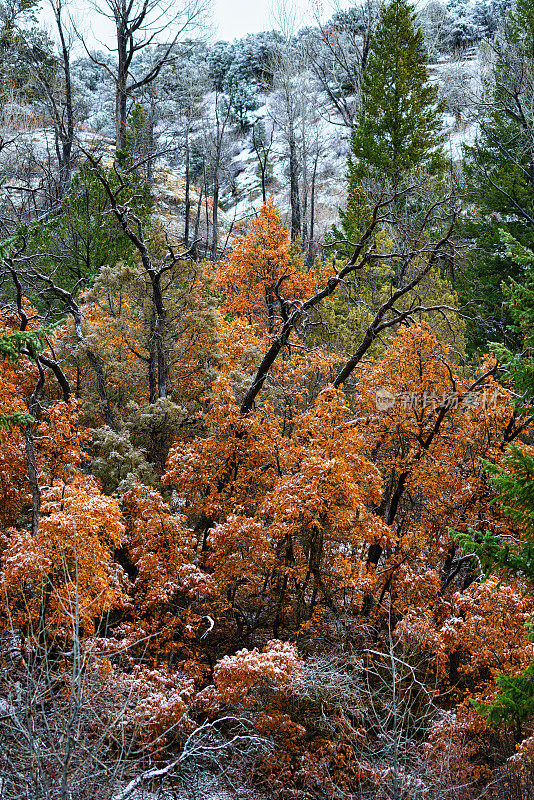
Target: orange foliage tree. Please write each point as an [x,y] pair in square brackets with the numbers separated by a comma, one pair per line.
[319,505]
[57,570]
[284,518]
[260,268]
[342,489]
[65,578]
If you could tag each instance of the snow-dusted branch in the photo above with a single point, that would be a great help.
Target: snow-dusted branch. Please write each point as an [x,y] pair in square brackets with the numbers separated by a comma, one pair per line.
[196,747]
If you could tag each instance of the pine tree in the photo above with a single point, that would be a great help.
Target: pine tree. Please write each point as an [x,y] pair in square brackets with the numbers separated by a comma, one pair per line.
[352,221]
[397,131]
[519,296]
[501,181]
[396,138]
[514,482]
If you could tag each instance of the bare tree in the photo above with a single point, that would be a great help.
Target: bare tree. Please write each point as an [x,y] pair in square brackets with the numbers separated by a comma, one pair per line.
[139,25]
[59,104]
[48,93]
[288,67]
[155,267]
[188,83]
[68,727]
[262,143]
[21,269]
[382,702]
[215,146]
[37,93]
[337,51]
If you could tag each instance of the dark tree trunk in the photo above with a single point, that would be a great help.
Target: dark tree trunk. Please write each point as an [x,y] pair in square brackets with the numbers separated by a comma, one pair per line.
[263,168]
[152,379]
[215,216]
[121,96]
[197,219]
[33,477]
[68,130]
[121,112]
[187,187]
[294,188]
[160,315]
[312,213]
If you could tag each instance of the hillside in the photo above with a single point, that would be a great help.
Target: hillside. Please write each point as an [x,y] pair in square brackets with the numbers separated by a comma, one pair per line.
[267,404]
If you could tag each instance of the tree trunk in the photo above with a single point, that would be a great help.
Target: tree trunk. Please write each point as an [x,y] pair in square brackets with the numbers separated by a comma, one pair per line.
[197,219]
[187,187]
[263,168]
[152,379]
[294,184]
[312,212]
[207,214]
[304,186]
[160,312]
[121,95]
[121,117]
[215,221]
[68,130]
[269,300]
[33,478]
[101,384]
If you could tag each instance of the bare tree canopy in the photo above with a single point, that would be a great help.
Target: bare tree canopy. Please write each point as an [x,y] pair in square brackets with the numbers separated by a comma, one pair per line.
[139,25]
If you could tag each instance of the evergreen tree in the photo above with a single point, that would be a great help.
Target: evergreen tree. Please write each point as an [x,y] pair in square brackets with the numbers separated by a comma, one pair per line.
[352,221]
[22,46]
[469,21]
[397,131]
[514,482]
[501,181]
[396,138]
[75,244]
[519,299]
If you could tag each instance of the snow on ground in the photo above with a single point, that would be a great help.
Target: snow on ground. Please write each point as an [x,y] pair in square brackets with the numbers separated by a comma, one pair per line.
[460,82]
[200,790]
